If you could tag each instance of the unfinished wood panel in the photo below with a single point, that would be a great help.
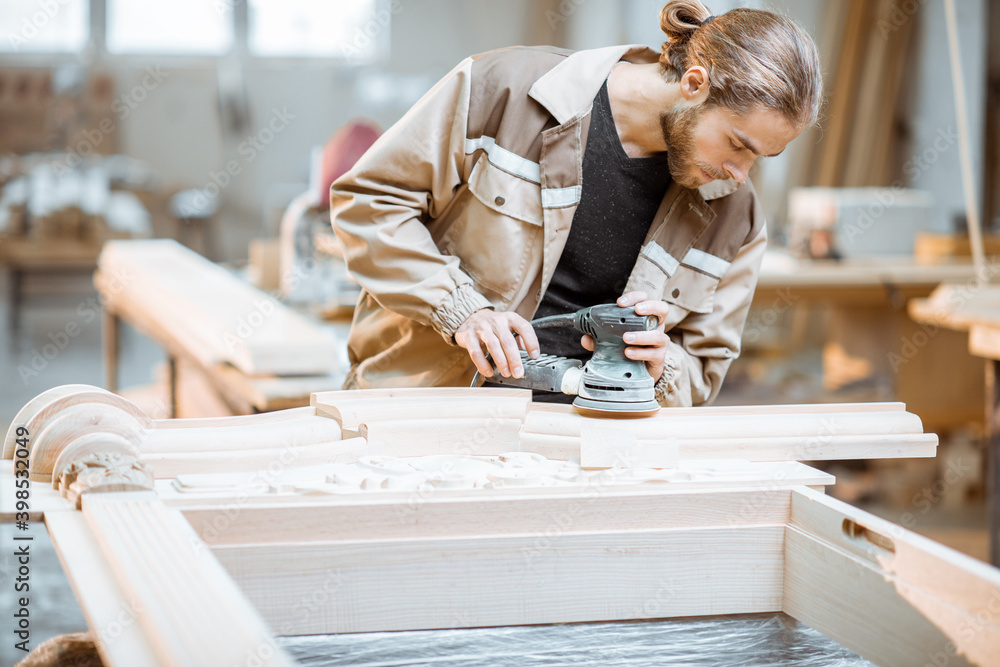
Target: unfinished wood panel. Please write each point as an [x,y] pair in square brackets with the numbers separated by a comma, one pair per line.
[352,412]
[237,437]
[239,390]
[487,436]
[923,601]
[738,410]
[554,577]
[192,613]
[221,314]
[817,448]
[434,514]
[852,603]
[606,447]
[439,394]
[44,498]
[711,427]
[241,420]
[111,614]
[168,465]
[912,559]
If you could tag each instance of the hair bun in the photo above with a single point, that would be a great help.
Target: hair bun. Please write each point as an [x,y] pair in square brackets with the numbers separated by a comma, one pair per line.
[679,20]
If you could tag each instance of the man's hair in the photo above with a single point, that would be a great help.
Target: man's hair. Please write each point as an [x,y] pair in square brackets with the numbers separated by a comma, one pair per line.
[755,59]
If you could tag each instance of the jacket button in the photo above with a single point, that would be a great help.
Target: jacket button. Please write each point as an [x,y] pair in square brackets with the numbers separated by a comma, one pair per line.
[676,293]
[499,201]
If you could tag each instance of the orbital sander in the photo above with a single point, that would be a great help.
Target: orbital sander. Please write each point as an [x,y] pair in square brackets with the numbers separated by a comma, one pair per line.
[609,381]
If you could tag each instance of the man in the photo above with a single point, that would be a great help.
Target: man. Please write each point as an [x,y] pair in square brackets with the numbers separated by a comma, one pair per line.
[531,181]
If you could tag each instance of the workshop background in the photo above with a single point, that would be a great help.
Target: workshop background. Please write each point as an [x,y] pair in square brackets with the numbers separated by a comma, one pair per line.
[218,122]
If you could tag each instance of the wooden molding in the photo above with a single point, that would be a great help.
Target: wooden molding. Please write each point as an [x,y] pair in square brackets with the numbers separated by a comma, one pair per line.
[103,472]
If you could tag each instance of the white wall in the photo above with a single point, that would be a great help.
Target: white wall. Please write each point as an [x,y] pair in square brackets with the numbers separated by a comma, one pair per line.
[177,127]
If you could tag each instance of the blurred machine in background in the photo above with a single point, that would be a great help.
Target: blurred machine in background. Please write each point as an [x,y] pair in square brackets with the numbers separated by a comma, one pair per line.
[312,268]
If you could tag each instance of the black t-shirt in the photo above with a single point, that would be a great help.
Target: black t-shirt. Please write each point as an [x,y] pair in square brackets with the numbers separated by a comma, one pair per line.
[620,197]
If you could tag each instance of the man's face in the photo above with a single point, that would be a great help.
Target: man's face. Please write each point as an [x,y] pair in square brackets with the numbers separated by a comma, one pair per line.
[704,145]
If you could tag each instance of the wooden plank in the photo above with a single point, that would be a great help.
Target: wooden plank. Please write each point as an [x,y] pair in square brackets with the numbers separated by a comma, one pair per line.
[924,603]
[260,392]
[737,410]
[167,465]
[436,514]
[852,603]
[112,615]
[192,613]
[228,318]
[484,436]
[372,585]
[604,447]
[43,497]
[818,448]
[241,420]
[984,341]
[330,398]
[322,486]
[237,437]
[709,426]
[352,412]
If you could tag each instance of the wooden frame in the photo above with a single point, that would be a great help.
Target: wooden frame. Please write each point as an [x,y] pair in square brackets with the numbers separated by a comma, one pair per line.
[306,549]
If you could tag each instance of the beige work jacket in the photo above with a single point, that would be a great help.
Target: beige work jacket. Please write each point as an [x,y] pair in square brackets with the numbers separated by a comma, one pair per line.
[467,201]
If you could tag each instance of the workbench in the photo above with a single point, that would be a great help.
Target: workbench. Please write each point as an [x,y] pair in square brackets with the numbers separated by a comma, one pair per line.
[224,532]
[868,334]
[23,257]
[966,307]
[187,309]
[857,282]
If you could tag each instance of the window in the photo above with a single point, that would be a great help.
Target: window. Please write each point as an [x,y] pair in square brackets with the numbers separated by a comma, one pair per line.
[177,27]
[46,26]
[350,29]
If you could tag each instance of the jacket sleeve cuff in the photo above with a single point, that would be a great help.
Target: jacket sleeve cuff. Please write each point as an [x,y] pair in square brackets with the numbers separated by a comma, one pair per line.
[667,389]
[455,309]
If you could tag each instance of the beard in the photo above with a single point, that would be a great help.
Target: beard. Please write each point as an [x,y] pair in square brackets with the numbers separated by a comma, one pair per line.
[678,127]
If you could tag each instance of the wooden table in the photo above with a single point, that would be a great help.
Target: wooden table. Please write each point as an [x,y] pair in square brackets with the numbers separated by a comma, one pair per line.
[976,310]
[868,334]
[875,281]
[23,256]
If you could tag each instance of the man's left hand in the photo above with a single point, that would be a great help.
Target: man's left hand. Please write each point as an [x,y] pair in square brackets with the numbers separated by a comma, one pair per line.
[649,346]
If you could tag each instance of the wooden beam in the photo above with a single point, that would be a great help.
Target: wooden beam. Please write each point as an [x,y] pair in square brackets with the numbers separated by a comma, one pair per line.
[923,603]
[225,317]
[555,577]
[111,614]
[436,513]
[192,613]
[816,448]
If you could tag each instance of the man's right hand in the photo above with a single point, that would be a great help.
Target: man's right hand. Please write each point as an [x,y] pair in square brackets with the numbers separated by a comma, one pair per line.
[495,331]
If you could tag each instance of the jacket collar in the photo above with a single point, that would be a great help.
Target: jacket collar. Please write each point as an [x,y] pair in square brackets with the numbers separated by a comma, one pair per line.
[568,90]
[717,189]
